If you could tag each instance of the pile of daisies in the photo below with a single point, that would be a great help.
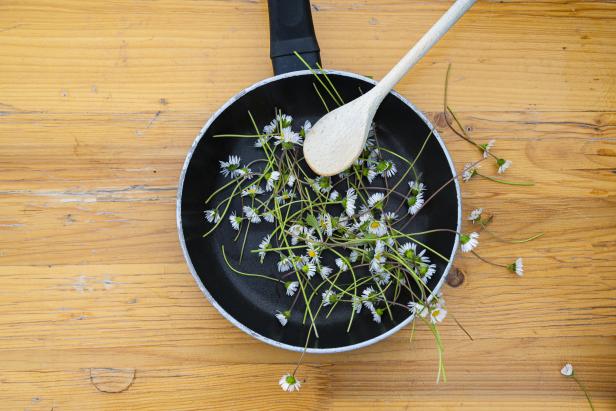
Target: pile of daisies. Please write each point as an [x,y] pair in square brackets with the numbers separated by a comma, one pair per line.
[337,240]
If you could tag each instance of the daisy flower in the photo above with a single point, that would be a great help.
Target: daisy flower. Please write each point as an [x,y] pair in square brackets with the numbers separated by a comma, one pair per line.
[426,271]
[325,271]
[230,167]
[285,196]
[469,241]
[284,119]
[376,201]
[469,171]
[291,287]
[334,195]
[284,264]
[288,138]
[379,258]
[269,217]
[271,178]
[517,267]
[377,227]
[305,128]
[264,246]
[296,230]
[414,203]
[309,269]
[567,370]
[325,222]
[437,314]
[283,317]
[356,304]
[416,188]
[252,191]
[368,297]
[271,127]
[377,313]
[370,174]
[235,220]
[353,256]
[341,264]
[290,180]
[418,308]
[502,165]
[381,277]
[385,168]
[390,216]
[475,215]
[313,254]
[322,184]
[212,216]
[251,214]
[485,148]
[329,297]
[262,140]
[289,383]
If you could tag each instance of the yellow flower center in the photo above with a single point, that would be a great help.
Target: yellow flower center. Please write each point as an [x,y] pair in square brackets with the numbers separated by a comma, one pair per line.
[312,253]
[375,224]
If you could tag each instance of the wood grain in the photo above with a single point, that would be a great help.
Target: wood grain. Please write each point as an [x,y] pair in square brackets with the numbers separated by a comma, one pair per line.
[99,102]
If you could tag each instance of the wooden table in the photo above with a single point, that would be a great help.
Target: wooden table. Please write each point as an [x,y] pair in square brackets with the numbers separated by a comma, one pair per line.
[99,102]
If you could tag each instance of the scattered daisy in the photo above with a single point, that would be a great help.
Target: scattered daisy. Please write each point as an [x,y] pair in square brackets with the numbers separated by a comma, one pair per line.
[381,277]
[289,383]
[212,216]
[390,216]
[230,167]
[313,254]
[325,271]
[251,214]
[288,138]
[271,177]
[341,264]
[385,168]
[329,297]
[235,220]
[416,188]
[305,128]
[376,201]
[322,184]
[252,191]
[264,246]
[353,256]
[283,317]
[469,171]
[309,269]
[485,148]
[377,227]
[370,174]
[567,370]
[334,195]
[377,313]
[437,314]
[475,215]
[291,287]
[245,172]
[502,165]
[517,267]
[368,297]
[285,264]
[325,223]
[356,304]
[290,180]
[285,196]
[469,241]
[269,217]
[414,203]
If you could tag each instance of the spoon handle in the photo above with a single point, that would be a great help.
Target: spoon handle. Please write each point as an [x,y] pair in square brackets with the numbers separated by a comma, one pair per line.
[428,40]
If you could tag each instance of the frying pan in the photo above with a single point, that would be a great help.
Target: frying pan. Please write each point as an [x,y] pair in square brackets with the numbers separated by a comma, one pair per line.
[250,303]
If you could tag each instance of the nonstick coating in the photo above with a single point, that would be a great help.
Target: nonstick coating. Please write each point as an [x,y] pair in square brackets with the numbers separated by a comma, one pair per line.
[250,303]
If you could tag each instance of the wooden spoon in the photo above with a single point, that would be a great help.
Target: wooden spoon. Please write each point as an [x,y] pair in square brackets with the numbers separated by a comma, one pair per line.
[338,138]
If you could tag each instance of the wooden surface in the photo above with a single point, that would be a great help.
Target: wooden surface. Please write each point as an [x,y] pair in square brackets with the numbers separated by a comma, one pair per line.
[99,102]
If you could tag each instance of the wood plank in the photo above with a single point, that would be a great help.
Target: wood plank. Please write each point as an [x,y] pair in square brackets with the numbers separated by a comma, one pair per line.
[116,56]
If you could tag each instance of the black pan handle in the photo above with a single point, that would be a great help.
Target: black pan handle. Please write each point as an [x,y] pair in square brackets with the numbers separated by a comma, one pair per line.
[291,30]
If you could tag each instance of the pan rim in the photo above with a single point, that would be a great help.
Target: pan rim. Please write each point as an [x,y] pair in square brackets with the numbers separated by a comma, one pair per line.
[213,301]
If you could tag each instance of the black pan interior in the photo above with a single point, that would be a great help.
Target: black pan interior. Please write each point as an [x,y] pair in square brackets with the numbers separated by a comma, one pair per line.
[252,302]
